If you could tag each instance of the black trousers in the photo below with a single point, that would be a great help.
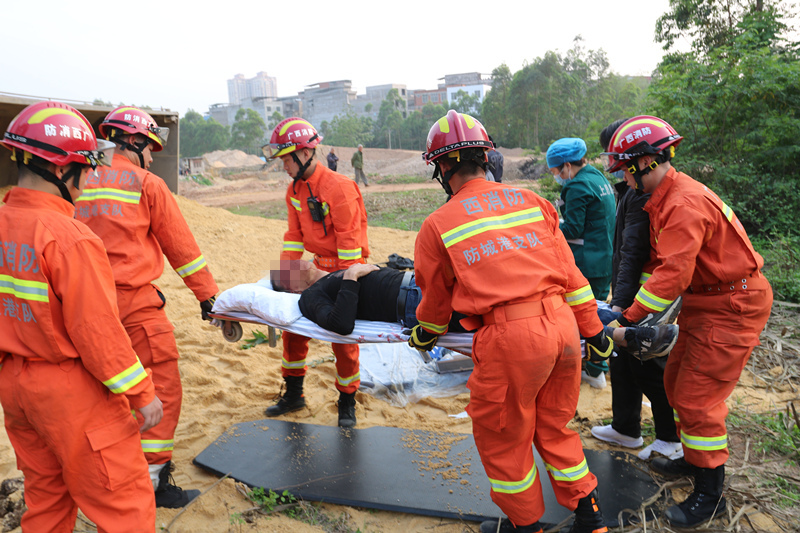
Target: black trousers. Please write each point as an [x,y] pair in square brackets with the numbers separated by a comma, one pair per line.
[630,378]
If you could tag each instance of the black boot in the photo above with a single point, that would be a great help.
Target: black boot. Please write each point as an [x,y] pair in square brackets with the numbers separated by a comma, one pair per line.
[347,409]
[704,503]
[490,526]
[170,496]
[588,517]
[672,468]
[292,399]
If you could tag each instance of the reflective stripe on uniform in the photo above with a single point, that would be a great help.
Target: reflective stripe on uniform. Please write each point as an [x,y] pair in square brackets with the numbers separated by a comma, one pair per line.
[293,246]
[569,474]
[580,296]
[675,416]
[515,487]
[291,365]
[325,208]
[650,300]
[704,444]
[347,255]
[126,380]
[437,329]
[296,204]
[644,277]
[152,446]
[344,382]
[24,289]
[128,197]
[482,225]
[190,268]
[727,211]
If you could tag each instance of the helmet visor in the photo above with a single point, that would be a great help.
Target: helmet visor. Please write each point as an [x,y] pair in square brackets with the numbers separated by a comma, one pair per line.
[102,156]
[273,150]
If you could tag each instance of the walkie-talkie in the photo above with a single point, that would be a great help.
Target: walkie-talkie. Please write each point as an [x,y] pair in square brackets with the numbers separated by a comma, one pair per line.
[315,208]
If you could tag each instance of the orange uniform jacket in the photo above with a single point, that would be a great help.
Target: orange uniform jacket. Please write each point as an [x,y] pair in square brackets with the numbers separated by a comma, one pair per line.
[136,216]
[58,297]
[698,241]
[345,220]
[491,245]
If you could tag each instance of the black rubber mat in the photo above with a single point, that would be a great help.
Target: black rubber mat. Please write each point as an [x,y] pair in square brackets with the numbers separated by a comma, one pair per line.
[419,472]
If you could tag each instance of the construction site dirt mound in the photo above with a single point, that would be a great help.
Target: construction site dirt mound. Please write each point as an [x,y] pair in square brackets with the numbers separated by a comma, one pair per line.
[231,159]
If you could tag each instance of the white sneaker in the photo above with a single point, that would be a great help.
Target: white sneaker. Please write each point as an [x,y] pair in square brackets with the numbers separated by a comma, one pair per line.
[609,434]
[598,383]
[670,450]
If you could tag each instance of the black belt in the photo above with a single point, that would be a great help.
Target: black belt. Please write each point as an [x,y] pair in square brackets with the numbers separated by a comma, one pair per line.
[402,294]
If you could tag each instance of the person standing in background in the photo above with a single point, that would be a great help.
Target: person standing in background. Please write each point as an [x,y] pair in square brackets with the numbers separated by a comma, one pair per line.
[358,165]
[333,159]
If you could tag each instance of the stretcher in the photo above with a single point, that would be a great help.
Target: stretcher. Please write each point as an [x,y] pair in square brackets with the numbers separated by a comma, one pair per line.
[365,331]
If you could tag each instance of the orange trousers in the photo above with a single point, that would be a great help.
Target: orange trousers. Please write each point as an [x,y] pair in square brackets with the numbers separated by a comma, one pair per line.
[142,313]
[717,335]
[78,446]
[295,349]
[524,391]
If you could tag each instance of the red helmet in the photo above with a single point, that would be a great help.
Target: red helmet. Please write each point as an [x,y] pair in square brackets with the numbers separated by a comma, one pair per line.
[290,135]
[132,120]
[638,136]
[455,131]
[57,133]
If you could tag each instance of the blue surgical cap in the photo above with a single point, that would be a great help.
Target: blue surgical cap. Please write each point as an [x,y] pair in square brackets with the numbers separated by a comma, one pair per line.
[565,150]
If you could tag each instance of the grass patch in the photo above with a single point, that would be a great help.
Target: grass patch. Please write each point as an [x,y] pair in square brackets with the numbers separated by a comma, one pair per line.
[403,210]
[403,179]
[201,180]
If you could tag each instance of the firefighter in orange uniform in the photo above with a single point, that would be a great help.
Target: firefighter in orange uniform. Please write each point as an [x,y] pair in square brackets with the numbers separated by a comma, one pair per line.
[705,257]
[136,216]
[496,253]
[68,374]
[327,218]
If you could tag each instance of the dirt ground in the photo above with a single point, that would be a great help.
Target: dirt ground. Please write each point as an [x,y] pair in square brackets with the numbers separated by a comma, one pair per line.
[224,384]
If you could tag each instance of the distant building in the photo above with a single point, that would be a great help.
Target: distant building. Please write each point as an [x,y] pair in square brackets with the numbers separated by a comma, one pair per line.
[261,86]
[424,97]
[375,95]
[225,114]
[323,101]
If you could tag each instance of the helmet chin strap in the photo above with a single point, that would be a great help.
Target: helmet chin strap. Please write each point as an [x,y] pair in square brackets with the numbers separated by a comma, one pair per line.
[301,172]
[73,172]
[137,148]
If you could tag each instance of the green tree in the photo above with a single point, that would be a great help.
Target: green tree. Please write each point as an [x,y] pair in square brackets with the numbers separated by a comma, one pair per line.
[274,120]
[247,132]
[494,106]
[198,136]
[390,117]
[736,101]
[464,102]
[349,130]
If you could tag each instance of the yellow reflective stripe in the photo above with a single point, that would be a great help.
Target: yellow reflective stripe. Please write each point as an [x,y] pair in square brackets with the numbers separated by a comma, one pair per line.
[46,113]
[128,197]
[475,227]
[468,120]
[296,204]
[293,364]
[325,208]
[127,379]
[569,474]
[190,268]
[630,125]
[644,277]
[444,127]
[344,382]
[580,296]
[515,487]
[349,254]
[727,211]
[433,327]
[292,123]
[150,446]
[293,246]
[675,416]
[704,444]
[650,300]
[122,109]
[23,289]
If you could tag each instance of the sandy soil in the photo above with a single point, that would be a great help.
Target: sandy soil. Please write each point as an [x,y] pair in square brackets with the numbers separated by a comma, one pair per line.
[224,385]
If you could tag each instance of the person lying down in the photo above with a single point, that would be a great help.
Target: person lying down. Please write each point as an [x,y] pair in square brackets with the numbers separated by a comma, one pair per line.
[365,292]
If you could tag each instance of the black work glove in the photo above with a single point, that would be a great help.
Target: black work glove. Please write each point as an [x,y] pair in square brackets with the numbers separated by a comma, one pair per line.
[206,307]
[422,340]
[600,347]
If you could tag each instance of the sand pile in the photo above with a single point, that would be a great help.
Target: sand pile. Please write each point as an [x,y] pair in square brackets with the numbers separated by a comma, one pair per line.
[224,384]
[231,159]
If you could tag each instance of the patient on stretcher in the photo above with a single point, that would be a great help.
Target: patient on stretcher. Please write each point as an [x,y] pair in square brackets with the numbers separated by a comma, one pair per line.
[366,292]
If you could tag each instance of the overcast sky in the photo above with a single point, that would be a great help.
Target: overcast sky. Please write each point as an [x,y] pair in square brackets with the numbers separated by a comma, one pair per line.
[178,55]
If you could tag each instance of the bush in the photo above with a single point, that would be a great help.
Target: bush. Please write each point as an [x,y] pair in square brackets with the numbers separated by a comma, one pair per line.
[781,265]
